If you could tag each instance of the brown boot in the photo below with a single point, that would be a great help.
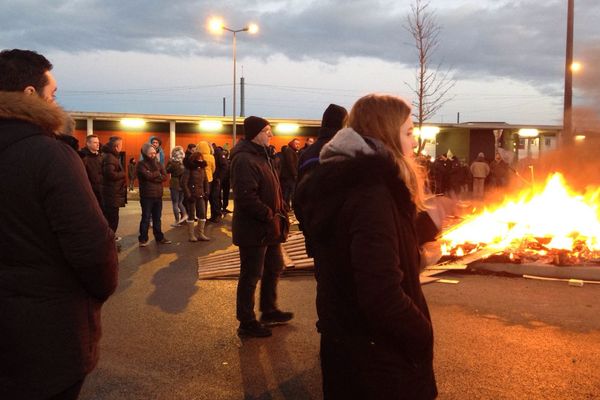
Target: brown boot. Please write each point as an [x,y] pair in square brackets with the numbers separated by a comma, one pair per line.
[199,231]
[192,236]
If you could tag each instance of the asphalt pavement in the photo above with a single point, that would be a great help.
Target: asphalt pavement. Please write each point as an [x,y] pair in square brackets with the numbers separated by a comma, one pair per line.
[167,335]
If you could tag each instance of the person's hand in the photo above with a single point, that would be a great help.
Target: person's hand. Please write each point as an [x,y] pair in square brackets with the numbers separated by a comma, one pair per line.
[431,252]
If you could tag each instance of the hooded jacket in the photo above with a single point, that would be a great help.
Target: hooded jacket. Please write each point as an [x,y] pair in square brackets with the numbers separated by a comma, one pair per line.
[175,168]
[160,153]
[58,260]
[207,155]
[259,207]
[363,226]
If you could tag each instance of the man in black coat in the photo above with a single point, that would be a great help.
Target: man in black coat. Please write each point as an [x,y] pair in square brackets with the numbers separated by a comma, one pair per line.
[92,159]
[334,119]
[259,227]
[58,261]
[114,187]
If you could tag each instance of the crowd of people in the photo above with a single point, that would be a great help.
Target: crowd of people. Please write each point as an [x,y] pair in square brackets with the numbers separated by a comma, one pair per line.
[451,176]
[358,191]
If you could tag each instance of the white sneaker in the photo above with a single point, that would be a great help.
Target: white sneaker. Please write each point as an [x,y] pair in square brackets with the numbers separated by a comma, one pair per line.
[118,238]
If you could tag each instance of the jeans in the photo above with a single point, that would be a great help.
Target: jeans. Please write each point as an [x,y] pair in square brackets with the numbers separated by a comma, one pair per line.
[151,210]
[262,263]
[177,201]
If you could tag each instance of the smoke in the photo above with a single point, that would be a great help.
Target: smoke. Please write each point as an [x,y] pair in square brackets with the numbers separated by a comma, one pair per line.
[587,80]
[579,164]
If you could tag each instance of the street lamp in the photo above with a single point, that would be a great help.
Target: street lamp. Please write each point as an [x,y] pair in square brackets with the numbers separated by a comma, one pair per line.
[217,26]
[567,134]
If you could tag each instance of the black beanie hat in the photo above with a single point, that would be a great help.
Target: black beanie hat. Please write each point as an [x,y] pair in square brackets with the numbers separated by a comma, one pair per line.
[334,117]
[253,125]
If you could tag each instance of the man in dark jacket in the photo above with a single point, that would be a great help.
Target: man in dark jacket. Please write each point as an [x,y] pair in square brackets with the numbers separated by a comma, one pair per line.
[151,174]
[334,119]
[259,227]
[114,186]
[289,170]
[92,159]
[58,261]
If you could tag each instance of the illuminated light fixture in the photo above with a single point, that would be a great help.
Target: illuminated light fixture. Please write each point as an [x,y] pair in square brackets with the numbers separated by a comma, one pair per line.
[528,133]
[579,138]
[133,122]
[287,128]
[215,25]
[576,66]
[426,132]
[210,125]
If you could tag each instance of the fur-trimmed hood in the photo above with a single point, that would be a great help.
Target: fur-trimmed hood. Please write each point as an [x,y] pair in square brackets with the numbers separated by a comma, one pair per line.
[329,186]
[17,107]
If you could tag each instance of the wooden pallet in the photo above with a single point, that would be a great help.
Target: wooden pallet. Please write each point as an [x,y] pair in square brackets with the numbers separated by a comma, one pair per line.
[226,263]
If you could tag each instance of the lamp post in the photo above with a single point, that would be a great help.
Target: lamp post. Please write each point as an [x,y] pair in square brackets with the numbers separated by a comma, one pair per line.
[567,134]
[217,26]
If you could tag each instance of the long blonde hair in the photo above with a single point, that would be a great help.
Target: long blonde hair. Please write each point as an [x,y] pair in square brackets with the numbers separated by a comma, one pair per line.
[380,116]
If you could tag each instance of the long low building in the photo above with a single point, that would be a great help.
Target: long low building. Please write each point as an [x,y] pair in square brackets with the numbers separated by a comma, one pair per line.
[464,140]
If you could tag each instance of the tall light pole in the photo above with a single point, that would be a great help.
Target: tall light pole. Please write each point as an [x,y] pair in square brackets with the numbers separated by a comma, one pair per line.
[217,26]
[567,134]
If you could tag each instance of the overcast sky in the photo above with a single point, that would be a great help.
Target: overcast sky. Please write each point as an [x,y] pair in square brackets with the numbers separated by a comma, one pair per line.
[151,56]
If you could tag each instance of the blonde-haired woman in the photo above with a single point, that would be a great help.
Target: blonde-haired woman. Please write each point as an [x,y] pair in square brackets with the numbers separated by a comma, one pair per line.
[363,213]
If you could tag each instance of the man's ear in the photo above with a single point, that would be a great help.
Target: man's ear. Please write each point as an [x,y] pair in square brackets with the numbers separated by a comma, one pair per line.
[29,90]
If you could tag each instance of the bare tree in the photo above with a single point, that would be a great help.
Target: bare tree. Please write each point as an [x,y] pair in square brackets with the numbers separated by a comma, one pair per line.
[431,84]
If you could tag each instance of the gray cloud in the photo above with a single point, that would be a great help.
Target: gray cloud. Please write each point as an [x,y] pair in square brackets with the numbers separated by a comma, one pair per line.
[522,39]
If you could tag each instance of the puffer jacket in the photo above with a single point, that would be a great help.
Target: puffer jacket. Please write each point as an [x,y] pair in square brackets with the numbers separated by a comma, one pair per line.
[194,182]
[58,260]
[207,155]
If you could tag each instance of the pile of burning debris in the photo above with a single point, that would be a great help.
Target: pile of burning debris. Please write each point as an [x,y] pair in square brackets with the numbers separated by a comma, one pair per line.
[547,225]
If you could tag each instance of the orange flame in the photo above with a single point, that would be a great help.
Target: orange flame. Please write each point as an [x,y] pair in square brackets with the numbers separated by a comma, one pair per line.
[555,217]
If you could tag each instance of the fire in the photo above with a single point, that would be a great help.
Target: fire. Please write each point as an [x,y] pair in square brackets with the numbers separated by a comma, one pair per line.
[552,219]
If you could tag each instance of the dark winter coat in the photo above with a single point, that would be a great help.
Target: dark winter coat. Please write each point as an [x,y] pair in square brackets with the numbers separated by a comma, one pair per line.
[309,158]
[363,228]
[93,167]
[114,186]
[259,207]
[194,182]
[222,164]
[289,164]
[176,169]
[151,174]
[58,261]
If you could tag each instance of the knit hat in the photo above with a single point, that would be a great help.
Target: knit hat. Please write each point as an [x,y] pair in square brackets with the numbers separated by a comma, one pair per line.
[253,125]
[334,117]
